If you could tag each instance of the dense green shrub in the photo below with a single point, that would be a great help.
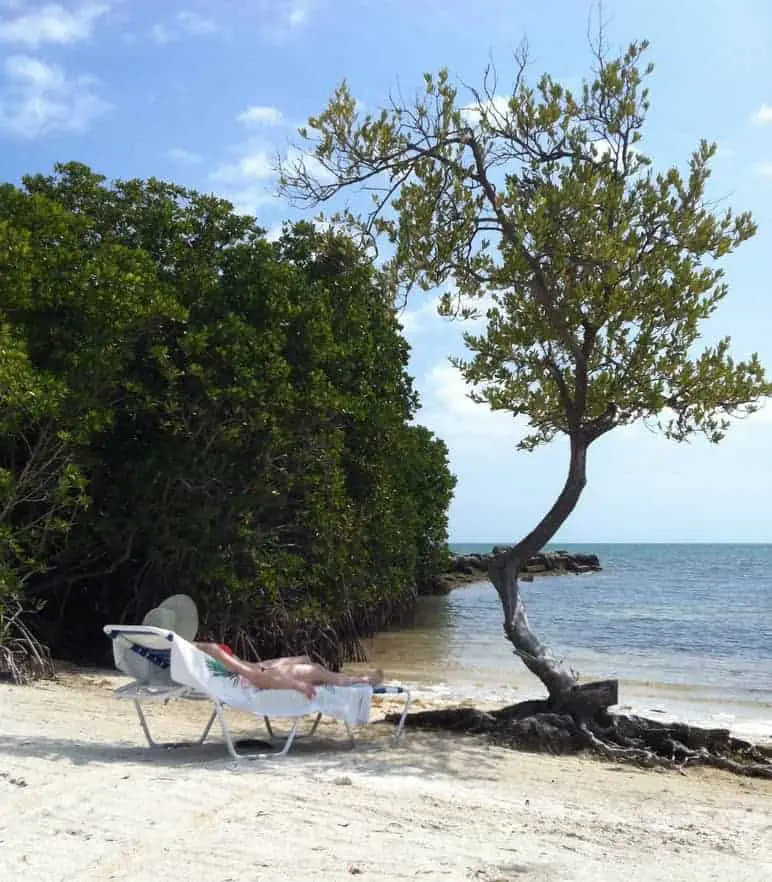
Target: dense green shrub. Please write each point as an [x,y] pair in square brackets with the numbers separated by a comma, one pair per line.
[185,406]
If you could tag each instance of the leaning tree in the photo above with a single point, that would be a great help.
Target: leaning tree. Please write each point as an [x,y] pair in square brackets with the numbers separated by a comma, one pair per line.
[597,272]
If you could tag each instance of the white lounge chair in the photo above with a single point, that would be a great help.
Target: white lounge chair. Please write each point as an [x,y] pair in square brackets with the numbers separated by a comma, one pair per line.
[166,667]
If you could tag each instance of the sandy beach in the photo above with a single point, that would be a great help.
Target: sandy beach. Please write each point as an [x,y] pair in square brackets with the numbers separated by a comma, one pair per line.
[81,798]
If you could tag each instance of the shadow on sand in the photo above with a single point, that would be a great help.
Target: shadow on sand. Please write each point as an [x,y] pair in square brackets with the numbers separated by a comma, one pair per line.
[419,754]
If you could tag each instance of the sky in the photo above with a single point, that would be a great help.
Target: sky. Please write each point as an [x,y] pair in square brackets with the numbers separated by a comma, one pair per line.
[207,94]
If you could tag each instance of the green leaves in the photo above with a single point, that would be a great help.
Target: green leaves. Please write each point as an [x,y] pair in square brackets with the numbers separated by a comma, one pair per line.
[185,404]
[599,270]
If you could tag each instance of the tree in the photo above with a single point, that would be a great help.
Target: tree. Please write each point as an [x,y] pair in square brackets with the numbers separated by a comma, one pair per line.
[195,408]
[598,271]
[66,306]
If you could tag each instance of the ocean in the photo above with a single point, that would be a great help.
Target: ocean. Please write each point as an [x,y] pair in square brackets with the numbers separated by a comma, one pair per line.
[687,629]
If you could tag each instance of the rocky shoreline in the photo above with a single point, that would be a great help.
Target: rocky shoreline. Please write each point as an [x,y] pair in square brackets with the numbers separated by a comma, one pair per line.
[465,569]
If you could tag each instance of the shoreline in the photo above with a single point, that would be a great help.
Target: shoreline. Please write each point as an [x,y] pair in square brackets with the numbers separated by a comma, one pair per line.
[82,798]
[491,676]
[487,688]
[746,720]
[455,647]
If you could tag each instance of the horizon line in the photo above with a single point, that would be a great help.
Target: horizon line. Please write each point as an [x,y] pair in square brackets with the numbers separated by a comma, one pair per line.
[620,542]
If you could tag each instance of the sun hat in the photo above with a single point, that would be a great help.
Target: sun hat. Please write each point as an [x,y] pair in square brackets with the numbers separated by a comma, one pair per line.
[177,613]
[183,613]
[160,618]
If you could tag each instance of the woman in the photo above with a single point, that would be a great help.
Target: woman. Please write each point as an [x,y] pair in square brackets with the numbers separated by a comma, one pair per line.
[297,672]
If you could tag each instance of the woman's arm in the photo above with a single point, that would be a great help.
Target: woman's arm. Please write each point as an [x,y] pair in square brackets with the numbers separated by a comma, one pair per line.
[233,664]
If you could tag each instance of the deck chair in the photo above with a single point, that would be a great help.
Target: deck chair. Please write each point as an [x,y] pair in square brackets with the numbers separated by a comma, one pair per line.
[166,667]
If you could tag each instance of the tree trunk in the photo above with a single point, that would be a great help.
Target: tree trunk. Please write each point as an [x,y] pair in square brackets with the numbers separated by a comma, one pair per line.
[531,650]
[505,568]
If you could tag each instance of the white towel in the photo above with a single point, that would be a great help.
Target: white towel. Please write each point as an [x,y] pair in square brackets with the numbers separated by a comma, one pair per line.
[191,667]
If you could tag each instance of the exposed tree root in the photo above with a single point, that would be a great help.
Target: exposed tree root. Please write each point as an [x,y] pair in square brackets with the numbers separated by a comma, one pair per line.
[22,656]
[637,740]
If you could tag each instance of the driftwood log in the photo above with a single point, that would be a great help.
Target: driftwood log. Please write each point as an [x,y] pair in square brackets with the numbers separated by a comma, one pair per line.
[583,724]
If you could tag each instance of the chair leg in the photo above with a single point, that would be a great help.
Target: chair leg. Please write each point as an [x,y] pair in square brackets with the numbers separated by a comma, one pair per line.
[350,733]
[153,743]
[272,733]
[401,723]
[208,728]
[226,732]
[145,728]
[313,726]
[231,747]
[290,738]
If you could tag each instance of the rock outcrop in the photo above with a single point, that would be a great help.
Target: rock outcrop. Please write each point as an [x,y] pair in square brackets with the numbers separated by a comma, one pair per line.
[465,569]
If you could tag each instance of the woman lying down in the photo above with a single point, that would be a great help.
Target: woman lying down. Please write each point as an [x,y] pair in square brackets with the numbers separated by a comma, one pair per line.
[297,672]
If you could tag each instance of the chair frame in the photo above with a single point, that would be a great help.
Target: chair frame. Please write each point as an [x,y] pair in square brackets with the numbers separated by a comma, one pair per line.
[146,692]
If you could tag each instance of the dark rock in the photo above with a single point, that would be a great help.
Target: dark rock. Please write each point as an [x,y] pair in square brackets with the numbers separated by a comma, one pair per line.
[464,569]
[590,561]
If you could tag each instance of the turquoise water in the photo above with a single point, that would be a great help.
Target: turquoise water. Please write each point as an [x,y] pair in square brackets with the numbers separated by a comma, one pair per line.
[688,611]
[679,625]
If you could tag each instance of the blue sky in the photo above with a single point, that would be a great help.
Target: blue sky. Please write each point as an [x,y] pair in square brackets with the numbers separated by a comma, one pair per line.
[207,93]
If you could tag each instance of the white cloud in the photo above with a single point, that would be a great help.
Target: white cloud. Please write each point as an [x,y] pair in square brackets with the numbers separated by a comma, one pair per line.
[40,99]
[161,34]
[421,315]
[52,23]
[763,116]
[496,106]
[185,23]
[251,200]
[605,149]
[181,155]
[260,115]
[760,420]
[313,166]
[251,166]
[274,232]
[282,19]
[195,23]
[248,181]
[417,317]
[298,13]
[765,169]
[453,416]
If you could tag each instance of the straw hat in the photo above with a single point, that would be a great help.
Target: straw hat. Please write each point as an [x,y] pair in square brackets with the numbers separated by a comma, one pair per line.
[177,613]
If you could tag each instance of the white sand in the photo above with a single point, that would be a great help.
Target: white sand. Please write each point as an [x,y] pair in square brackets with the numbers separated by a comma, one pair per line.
[82,799]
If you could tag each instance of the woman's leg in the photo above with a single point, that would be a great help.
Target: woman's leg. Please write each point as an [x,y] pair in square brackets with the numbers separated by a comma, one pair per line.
[299,668]
[309,672]
[294,659]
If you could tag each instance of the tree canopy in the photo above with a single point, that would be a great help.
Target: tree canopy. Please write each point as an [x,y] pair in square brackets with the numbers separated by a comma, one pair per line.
[186,406]
[595,271]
